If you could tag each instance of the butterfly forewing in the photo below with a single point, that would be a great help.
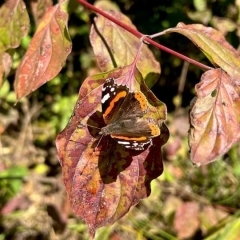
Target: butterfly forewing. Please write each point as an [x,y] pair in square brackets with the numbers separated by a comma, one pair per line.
[113,96]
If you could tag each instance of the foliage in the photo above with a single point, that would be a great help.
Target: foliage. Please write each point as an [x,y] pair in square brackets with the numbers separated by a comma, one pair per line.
[10,186]
[185,202]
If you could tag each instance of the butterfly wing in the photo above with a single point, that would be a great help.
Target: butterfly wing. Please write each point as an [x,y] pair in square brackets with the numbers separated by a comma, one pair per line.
[135,133]
[123,113]
[113,96]
[134,106]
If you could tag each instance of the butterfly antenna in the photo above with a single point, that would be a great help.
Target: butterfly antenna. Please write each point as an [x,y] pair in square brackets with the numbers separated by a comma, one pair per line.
[93,126]
[88,125]
[98,143]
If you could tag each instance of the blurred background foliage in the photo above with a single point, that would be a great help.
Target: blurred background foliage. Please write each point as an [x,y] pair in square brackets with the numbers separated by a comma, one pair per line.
[186,202]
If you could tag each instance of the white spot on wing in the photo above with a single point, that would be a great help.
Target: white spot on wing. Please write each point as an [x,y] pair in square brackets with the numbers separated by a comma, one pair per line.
[123,142]
[105,98]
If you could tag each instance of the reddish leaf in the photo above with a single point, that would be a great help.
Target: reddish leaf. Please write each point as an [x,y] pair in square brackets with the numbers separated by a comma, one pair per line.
[186,220]
[46,53]
[215,122]
[115,47]
[5,66]
[104,179]
[214,117]
[17,202]
[14,24]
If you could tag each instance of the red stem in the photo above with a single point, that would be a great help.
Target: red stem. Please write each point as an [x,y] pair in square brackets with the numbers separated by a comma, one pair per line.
[139,35]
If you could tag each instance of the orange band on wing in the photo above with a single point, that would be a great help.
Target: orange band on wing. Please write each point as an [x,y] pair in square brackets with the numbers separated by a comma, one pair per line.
[155,131]
[142,100]
[121,94]
[129,138]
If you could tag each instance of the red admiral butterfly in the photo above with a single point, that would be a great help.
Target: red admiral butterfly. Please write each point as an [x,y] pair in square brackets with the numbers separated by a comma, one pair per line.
[123,113]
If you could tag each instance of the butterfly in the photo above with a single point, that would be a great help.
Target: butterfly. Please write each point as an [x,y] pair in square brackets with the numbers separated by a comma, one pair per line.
[123,114]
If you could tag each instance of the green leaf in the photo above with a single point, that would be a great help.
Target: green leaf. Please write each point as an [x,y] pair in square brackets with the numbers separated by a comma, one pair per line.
[11,179]
[14,24]
[230,232]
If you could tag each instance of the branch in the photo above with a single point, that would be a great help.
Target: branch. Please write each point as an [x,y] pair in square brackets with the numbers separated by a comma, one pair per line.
[140,35]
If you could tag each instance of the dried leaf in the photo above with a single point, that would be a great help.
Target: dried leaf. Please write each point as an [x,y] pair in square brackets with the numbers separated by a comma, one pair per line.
[214,118]
[115,47]
[14,24]
[104,179]
[186,220]
[47,52]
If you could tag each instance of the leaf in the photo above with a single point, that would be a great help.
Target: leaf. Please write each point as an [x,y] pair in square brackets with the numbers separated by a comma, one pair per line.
[214,118]
[212,218]
[5,66]
[186,220]
[39,8]
[104,179]
[14,24]
[231,231]
[213,44]
[115,47]
[47,51]
[13,179]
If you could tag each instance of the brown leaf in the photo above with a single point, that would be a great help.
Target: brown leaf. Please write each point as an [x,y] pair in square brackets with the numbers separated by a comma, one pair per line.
[186,220]
[115,47]
[47,52]
[214,118]
[104,179]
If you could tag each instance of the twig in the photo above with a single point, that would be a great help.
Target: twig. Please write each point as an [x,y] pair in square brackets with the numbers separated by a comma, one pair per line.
[181,84]
[140,35]
[28,114]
